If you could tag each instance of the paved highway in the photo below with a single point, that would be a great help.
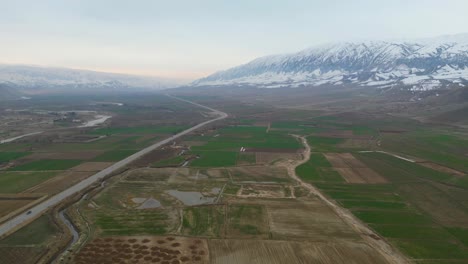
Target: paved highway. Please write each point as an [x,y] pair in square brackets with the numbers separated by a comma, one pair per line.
[38,209]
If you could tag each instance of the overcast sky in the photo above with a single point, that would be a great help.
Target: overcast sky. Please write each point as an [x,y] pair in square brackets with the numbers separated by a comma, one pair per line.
[192,38]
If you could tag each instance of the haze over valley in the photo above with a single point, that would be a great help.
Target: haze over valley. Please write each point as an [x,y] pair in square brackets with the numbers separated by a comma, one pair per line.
[213,132]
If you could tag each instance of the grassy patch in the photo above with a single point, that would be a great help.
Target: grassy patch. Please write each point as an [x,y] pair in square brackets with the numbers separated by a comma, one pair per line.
[392,217]
[133,222]
[364,196]
[317,168]
[231,189]
[36,233]
[372,204]
[324,144]
[411,170]
[43,165]
[460,233]
[14,182]
[428,249]
[246,158]
[233,138]
[203,220]
[412,232]
[8,156]
[246,219]
[214,159]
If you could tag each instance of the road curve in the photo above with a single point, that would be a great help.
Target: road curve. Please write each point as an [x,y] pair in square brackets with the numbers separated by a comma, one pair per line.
[38,209]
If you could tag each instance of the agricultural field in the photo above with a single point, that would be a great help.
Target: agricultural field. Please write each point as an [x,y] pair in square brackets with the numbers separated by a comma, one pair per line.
[226,193]
[29,244]
[65,152]
[414,201]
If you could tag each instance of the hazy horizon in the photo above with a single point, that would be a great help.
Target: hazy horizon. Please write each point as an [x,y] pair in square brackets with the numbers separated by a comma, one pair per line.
[186,40]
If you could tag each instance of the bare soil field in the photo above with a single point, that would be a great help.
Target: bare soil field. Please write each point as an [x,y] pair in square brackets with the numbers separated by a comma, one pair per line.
[308,220]
[154,156]
[358,143]
[10,205]
[352,169]
[270,157]
[262,191]
[259,174]
[350,175]
[230,251]
[144,249]
[59,182]
[91,166]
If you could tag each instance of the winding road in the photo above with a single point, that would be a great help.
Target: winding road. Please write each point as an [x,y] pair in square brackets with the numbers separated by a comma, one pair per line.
[388,252]
[34,212]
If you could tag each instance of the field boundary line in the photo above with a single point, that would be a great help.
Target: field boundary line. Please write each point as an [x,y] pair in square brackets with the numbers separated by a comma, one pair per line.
[391,254]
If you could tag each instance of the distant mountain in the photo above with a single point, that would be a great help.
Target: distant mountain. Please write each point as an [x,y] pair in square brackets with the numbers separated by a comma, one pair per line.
[35,77]
[8,92]
[417,65]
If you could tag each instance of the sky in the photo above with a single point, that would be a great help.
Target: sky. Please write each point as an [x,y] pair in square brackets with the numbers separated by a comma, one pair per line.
[194,38]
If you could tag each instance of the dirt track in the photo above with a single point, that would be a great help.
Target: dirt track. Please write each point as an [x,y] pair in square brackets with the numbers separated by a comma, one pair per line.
[391,254]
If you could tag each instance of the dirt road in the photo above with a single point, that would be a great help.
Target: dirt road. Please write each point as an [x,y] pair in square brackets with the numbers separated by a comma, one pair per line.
[391,254]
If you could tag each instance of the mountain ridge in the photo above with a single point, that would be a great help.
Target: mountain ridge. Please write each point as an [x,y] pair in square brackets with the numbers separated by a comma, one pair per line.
[422,65]
[35,77]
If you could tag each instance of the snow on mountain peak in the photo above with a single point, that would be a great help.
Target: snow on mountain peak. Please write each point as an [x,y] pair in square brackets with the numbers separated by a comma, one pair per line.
[421,64]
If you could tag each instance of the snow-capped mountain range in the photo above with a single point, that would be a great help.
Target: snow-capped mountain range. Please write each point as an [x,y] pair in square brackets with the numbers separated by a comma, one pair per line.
[37,77]
[419,65]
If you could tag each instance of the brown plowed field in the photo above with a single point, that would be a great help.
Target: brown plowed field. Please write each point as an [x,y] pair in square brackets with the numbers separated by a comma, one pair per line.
[268,157]
[9,205]
[59,182]
[352,169]
[309,220]
[92,166]
[223,251]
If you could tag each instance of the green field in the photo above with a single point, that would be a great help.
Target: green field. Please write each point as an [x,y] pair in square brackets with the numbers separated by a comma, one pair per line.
[38,232]
[429,249]
[246,219]
[233,138]
[9,156]
[14,182]
[441,148]
[324,144]
[397,167]
[45,165]
[246,158]
[203,221]
[133,222]
[413,232]
[214,159]
[114,155]
[317,168]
